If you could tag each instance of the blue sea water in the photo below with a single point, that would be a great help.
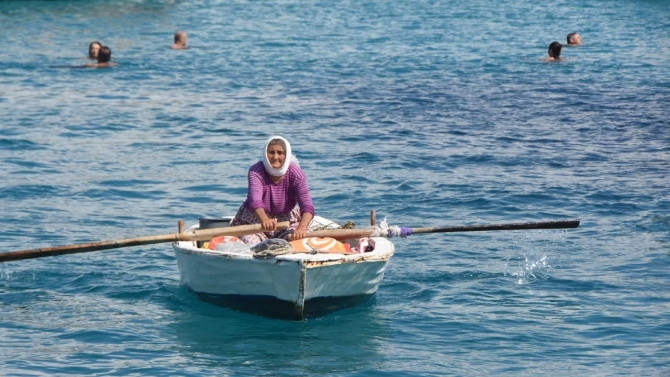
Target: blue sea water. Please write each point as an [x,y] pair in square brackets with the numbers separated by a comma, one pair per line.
[431,112]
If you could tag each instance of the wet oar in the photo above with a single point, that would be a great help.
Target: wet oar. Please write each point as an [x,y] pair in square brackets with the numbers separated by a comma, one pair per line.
[191,235]
[342,234]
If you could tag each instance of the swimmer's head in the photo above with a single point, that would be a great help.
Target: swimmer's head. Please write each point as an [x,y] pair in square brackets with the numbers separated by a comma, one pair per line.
[105,54]
[93,49]
[574,39]
[554,50]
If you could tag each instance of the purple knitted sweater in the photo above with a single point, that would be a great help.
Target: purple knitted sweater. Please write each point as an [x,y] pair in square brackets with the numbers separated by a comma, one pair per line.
[281,197]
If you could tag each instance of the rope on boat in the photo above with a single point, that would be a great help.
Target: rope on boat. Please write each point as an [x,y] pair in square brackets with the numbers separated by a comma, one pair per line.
[348,225]
[381,230]
[389,231]
[399,231]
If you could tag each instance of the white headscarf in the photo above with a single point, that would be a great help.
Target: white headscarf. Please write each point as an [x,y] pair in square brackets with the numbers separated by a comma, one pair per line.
[289,158]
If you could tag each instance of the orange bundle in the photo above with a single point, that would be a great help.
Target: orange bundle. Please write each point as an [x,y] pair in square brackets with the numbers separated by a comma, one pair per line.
[324,245]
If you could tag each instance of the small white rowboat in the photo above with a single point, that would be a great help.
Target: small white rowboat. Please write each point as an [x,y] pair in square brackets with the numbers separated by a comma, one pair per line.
[291,286]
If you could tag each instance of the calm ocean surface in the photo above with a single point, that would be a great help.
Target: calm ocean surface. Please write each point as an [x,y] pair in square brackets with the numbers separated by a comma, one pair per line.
[433,113]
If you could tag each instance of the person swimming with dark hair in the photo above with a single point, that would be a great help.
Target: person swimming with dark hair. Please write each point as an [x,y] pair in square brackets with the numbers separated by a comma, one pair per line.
[104,57]
[574,39]
[93,49]
[554,51]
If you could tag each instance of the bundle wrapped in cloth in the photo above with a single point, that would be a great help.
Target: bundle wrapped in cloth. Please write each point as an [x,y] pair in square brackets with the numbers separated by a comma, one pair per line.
[320,245]
[271,248]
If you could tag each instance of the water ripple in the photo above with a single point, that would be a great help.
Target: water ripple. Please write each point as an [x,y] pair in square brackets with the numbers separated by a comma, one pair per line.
[428,112]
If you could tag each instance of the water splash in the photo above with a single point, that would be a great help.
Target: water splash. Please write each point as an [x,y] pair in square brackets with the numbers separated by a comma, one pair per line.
[5,273]
[532,257]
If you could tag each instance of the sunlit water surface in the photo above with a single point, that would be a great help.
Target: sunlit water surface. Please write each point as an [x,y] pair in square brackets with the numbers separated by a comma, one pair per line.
[433,113]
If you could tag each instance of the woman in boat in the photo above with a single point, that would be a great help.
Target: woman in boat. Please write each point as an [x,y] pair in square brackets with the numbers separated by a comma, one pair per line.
[277,191]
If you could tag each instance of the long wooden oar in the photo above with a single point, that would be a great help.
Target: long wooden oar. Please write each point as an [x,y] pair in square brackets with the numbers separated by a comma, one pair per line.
[191,235]
[207,234]
[343,234]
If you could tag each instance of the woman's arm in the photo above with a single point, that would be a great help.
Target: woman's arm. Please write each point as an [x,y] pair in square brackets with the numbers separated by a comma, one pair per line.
[306,206]
[301,230]
[255,199]
[301,189]
[267,223]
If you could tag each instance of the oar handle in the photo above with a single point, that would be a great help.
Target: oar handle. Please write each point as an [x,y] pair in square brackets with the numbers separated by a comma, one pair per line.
[341,234]
[240,230]
[192,235]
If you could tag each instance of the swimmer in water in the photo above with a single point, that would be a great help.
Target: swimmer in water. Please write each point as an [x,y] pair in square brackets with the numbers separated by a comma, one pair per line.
[574,39]
[93,49]
[554,51]
[180,39]
[104,57]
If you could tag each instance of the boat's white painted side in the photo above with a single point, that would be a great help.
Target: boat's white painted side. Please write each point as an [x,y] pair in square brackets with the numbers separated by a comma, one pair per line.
[344,279]
[293,277]
[217,273]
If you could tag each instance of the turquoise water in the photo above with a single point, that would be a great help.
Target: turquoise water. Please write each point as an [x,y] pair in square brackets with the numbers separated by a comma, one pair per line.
[433,113]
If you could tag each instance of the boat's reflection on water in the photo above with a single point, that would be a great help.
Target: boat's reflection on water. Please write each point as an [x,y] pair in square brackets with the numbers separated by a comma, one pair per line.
[271,307]
[345,340]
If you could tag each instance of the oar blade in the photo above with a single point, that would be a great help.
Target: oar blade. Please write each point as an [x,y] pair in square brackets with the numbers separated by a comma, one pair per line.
[191,235]
[565,224]
[84,247]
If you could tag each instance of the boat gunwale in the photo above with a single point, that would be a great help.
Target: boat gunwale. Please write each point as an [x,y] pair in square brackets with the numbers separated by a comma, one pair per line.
[306,259]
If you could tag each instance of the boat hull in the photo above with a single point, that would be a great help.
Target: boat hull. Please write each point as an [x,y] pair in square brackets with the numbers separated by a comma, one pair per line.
[294,286]
[271,307]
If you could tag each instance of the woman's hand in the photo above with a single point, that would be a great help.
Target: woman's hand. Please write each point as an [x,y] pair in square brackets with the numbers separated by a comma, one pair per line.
[299,233]
[269,224]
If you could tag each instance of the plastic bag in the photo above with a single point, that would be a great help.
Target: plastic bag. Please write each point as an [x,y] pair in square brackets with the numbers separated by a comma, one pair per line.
[234,247]
[365,245]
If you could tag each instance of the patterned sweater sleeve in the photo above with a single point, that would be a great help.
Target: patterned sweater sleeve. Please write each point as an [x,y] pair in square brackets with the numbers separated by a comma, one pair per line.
[302,192]
[255,188]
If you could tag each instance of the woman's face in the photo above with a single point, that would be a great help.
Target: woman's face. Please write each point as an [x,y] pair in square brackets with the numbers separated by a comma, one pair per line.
[276,156]
[93,50]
